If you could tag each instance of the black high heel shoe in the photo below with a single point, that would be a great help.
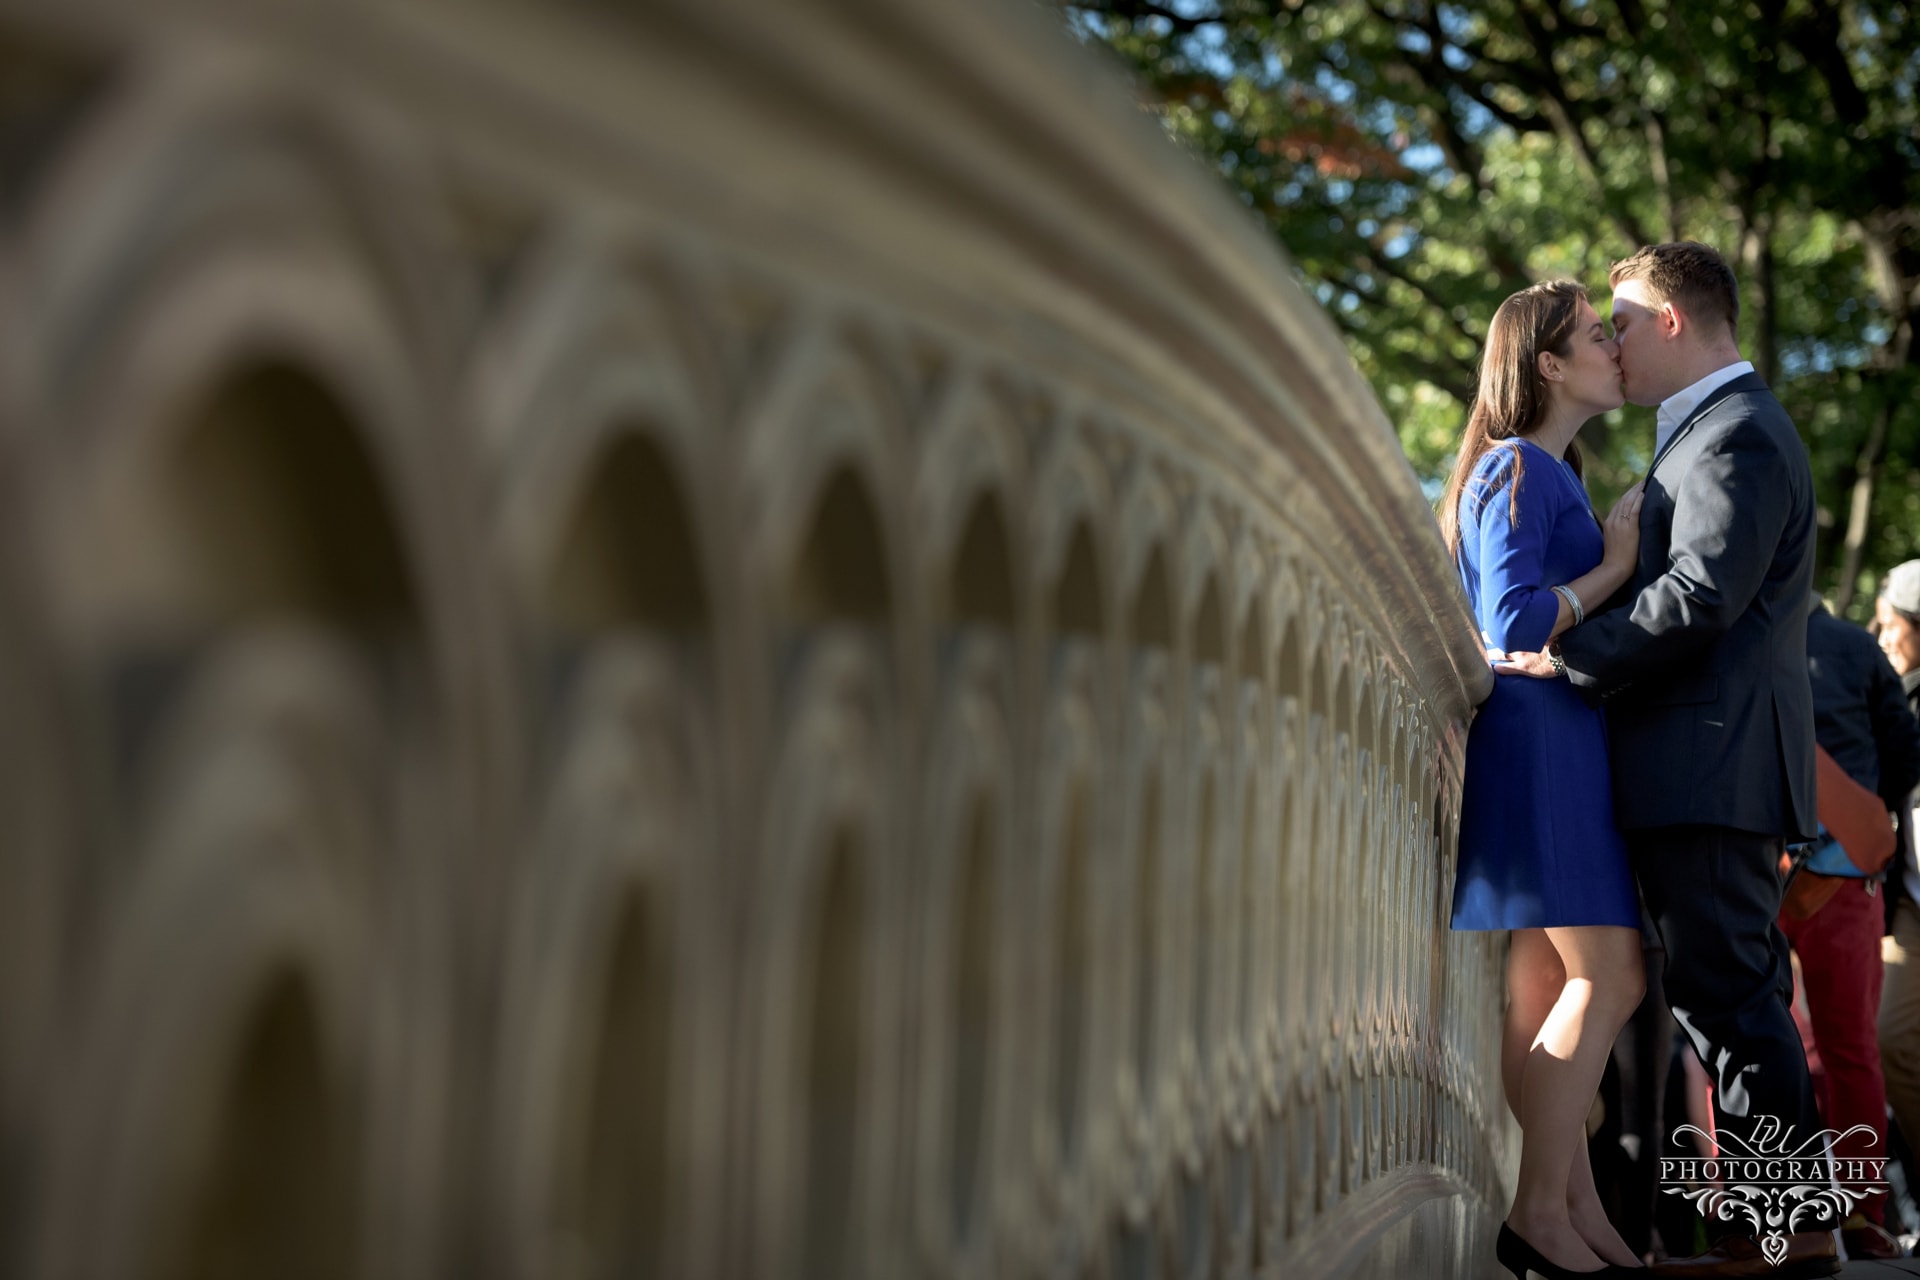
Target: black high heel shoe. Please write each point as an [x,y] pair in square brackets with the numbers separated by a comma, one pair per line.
[1519,1257]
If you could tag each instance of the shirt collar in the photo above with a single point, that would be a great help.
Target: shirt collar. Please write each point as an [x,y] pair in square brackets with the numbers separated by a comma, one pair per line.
[1679,406]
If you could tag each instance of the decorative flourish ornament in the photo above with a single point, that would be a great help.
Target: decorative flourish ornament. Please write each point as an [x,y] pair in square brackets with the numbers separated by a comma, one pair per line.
[1778,1189]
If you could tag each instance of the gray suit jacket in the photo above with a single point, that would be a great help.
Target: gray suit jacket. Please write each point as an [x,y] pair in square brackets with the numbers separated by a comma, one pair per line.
[1702,667]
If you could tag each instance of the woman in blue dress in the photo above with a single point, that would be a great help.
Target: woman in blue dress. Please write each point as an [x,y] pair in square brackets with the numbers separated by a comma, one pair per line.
[1539,852]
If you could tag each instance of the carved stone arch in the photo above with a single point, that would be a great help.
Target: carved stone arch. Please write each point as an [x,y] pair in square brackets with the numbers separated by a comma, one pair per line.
[254,454]
[825,1004]
[1317,851]
[248,418]
[1392,705]
[1253,858]
[1152,782]
[1212,873]
[1345,671]
[969,498]
[1319,653]
[1400,744]
[1072,937]
[194,145]
[1207,584]
[1373,866]
[1207,818]
[1372,800]
[629,552]
[1293,820]
[613,981]
[1292,638]
[1147,568]
[822,478]
[1291,805]
[616,981]
[255,499]
[222,1092]
[1207,634]
[1071,528]
[256,480]
[1343,703]
[1251,610]
[1150,798]
[1255,833]
[591,319]
[1406,852]
[209,218]
[1371,695]
[1316,610]
[1289,593]
[1335,688]
[596,394]
[1368,677]
[1069,936]
[967,926]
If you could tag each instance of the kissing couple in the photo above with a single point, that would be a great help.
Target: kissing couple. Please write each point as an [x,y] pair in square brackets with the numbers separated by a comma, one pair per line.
[1650,736]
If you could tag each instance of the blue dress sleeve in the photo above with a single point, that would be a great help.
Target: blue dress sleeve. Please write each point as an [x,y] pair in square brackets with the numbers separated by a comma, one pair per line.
[1517,606]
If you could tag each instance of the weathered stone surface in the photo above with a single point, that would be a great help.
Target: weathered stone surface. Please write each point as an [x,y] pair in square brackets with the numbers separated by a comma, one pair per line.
[708,638]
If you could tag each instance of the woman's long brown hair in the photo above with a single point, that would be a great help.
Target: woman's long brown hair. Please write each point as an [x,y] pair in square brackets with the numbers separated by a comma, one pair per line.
[1511,398]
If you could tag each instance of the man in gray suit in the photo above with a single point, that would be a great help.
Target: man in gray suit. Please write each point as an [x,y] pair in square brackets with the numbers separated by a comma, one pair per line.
[1701,663]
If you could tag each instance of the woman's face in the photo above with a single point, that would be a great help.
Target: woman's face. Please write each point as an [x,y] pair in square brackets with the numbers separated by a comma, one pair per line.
[1899,638]
[1590,371]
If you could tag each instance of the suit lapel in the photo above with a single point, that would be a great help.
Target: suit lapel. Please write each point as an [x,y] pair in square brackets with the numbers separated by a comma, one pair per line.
[1745,382]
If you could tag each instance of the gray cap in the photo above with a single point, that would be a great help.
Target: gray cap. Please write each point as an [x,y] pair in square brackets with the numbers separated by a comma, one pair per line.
[1903,587]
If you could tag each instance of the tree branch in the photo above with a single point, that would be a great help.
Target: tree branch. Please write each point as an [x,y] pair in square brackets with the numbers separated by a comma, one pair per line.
[1454,377]
[1817,37]
[1132,11]
[1568,125]
[1379,264]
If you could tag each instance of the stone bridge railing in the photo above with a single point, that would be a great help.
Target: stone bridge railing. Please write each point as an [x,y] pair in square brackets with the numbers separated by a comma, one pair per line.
[700,638]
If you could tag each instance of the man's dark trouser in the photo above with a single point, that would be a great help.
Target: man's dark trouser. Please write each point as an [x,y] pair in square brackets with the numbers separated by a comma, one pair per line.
[1713,893]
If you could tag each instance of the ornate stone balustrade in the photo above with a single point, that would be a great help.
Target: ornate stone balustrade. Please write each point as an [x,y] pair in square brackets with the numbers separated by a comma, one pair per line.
[700,638]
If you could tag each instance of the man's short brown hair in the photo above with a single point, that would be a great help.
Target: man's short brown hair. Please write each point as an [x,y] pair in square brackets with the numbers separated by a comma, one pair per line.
[1689,274]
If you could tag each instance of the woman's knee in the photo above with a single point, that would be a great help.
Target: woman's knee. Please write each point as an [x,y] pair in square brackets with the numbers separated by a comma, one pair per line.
[1633,983]
[1531,951]
[1618,974]
[1620,993]
[1608,957]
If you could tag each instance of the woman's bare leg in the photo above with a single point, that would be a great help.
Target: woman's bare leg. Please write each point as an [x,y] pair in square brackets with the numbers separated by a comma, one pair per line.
[1535,978]
[1563,1067]
[1589,1216]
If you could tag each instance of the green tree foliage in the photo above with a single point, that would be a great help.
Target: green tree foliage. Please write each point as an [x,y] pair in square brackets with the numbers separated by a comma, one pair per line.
[1421,161]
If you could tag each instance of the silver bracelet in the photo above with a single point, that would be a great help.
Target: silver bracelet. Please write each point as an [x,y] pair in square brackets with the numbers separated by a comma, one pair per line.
[1573,603]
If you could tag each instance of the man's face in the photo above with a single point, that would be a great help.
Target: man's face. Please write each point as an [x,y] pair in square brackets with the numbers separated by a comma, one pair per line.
[1645,349]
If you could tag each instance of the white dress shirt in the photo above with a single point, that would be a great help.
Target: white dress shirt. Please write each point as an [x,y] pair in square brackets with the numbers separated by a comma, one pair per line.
[1679,406]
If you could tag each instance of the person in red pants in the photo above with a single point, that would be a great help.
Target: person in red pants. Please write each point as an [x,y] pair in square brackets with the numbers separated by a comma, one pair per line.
[1862,720]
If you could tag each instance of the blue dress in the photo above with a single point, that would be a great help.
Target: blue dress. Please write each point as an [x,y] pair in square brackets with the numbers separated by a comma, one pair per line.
[1538,844]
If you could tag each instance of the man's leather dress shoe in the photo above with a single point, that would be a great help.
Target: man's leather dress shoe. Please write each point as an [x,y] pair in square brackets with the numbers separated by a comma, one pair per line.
[1809,1253]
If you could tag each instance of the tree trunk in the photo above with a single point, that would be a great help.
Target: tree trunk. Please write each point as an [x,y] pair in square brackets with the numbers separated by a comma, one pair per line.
[1866,471]
[1757,249]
